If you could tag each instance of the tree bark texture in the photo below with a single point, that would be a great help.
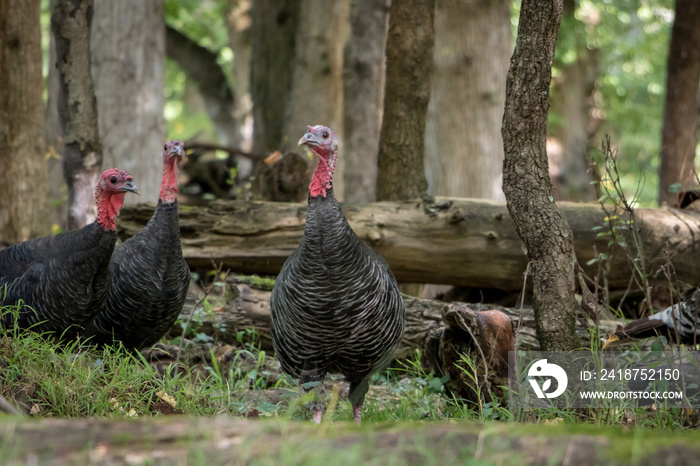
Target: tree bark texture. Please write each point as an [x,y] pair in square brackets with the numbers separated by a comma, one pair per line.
[572,99]
[526,184]
[409,58]
[466,242]
[200,65]
[57,189]
[273,53]
[238,25]
[23,174]
[464,148]
[363,92]
[128,56]
[77,108]
[679,135]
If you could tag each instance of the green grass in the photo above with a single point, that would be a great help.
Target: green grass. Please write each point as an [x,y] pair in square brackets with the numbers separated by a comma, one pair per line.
[70,380]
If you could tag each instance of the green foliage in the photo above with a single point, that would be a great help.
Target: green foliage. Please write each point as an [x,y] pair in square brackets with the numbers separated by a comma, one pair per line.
[203,22]
[631,40]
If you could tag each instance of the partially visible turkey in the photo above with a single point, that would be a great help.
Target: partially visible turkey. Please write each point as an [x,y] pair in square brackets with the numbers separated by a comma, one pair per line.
[148,272]
[63,280]
[678,323]
[336,306]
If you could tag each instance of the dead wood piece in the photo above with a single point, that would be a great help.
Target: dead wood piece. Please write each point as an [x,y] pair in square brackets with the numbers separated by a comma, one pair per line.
[466,242]
[247,309]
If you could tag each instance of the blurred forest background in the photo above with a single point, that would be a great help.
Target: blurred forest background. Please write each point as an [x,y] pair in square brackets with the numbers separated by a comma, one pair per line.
[238,81]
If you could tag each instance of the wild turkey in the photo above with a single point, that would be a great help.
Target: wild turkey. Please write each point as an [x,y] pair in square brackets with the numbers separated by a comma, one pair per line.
[64,279]
[335,306]
[679,323]
[148,273]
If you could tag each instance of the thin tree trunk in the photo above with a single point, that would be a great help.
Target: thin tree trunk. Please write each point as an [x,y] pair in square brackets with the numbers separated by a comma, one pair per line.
[273,51]
[464,148]
[238,24]
[77,108]
[679,136]
[23,173]
[54,141]
[409,58]
[526,184]
[128,56]
[317,90]
[363,91]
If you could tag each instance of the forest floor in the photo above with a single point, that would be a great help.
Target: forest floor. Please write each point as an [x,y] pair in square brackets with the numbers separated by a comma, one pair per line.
[196,400]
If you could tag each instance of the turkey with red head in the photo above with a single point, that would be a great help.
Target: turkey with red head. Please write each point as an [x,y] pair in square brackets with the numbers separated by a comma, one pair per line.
[63,280]
[335,306]
[148,272]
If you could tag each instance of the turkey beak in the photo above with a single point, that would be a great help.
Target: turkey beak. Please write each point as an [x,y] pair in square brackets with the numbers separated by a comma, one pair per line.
[178,150]
[131,187]
[309,140]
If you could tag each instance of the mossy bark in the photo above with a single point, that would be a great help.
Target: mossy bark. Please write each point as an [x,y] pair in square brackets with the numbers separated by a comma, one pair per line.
[526,184]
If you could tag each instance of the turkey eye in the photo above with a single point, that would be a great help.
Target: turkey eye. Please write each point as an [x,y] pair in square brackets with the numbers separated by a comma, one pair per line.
[325,135]
[165,147]
[113,179]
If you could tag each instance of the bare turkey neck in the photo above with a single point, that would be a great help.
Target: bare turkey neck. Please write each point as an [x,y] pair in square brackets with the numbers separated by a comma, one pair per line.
[323,175]
[168,187]
[108,206]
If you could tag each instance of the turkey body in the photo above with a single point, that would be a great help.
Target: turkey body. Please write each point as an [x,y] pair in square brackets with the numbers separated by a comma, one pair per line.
[678,323]
[149,280]
[336,306]
[63,278]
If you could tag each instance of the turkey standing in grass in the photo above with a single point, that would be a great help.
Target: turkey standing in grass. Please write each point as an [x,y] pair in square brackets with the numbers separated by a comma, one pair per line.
[64,279]
[336,306]
[148,272]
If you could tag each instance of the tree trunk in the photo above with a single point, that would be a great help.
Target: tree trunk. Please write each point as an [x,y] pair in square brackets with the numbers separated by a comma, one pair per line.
[409,58]
[679,136]
[77,108]
[317,89]
[23,175]
[572,98]
[57,189]
[464,148]
[363,89]
[201,66]
[526,184]
[465,242]
[128,55]
[238,24]
[273,51]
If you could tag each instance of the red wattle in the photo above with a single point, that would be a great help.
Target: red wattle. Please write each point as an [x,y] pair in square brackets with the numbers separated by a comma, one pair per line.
[168,187]
[108,206]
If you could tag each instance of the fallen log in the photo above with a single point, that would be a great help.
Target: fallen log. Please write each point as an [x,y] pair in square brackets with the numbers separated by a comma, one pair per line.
[226,440]
[246,307]
[465,242]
